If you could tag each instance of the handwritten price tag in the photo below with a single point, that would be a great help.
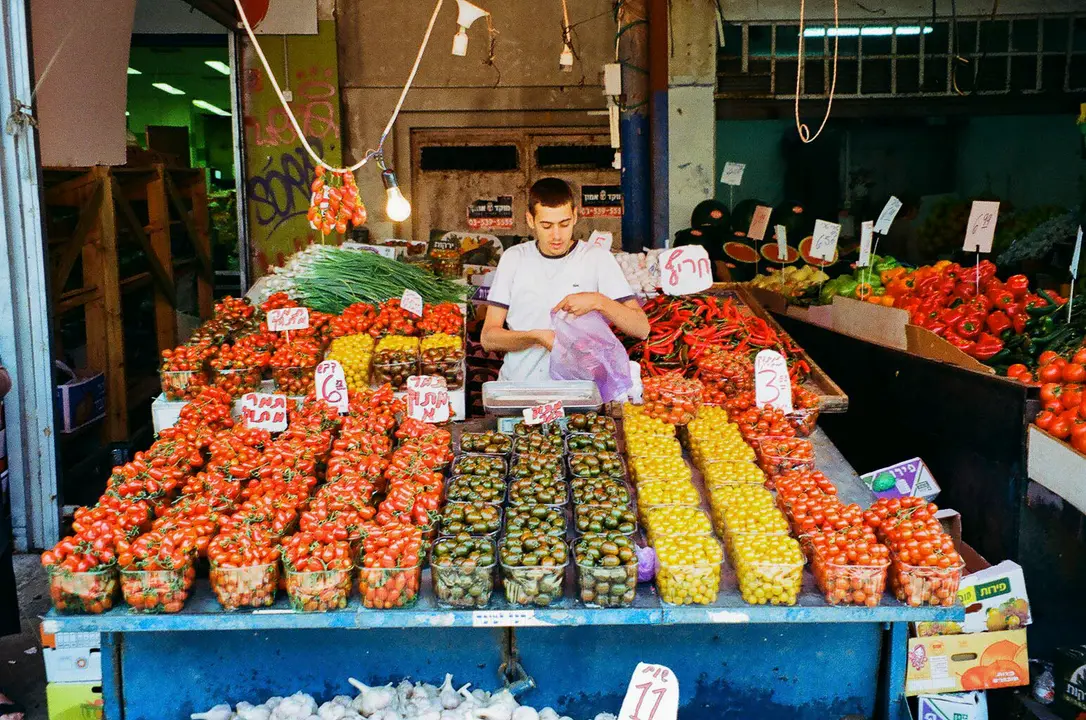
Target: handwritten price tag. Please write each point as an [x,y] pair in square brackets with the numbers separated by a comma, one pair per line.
[685,270]
[980,231]
[759,222]
[1077,257]
[331,385]
[886,217]
[428,398]
[600,238]
[264,411]
[866,235]
[824,243]
[782,243]
[287,319]
[653,694]
[411,302]
[544,414]
[733,173]
[772,386]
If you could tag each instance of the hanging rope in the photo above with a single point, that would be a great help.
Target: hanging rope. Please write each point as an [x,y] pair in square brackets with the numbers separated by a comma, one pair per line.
[370,154]
[801,127]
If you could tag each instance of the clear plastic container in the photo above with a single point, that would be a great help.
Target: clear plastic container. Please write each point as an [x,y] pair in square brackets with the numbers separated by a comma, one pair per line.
[646,445]
[606,492]
[803,420]
[663,492]
[551,520]
[157,591]
[543,444]
[479,464]
[591,424]
[727,472]
[451,369]
[486,443]
[769,583]
[591,443]
[671,398]
[89,592]
[239,381]
[183,384]
[294,381]
[526,491]
[660,467]
[318,591]
[850,584]
[464,582]
[918,585]
[592,465]
[538,585]
[739,521]
[530,464]
[603,519]
[687,582]
[386,588]
[475,518]
[474,488]
[672,520]
[393,373]
[784,455]
[253,586]
[599,586]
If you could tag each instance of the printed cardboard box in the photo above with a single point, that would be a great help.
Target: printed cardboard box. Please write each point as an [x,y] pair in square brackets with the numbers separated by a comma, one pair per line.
[953,706]
[80,400]
[994,598]
[74,701]
[957,663]
[73,664]
[1071,680]
[909,478]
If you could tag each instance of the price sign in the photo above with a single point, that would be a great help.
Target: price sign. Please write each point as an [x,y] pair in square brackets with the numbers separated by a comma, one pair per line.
[759,222]
[601,239]
[733,174]
[685,270]
[886,217]
[824,243]
[772,385]
[866,235]
[264,411]
[544,414]
[653,694]
[411,302]
[782,243]
[331,385]
[428,398]
[287,319]
[1077,257]
[980,231]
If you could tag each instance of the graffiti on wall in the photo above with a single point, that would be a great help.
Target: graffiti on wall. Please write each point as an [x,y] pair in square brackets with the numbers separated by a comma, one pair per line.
[278,169]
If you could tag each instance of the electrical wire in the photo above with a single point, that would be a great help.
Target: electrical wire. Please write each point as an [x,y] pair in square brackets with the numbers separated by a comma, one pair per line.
[801,127]
[370,154]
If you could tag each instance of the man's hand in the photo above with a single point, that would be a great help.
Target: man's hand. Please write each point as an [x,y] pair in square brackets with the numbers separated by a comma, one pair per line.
[545,338]
[579,304]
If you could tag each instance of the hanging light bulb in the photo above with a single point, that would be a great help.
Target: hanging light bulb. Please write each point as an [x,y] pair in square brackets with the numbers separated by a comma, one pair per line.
[397,208]
[469,13]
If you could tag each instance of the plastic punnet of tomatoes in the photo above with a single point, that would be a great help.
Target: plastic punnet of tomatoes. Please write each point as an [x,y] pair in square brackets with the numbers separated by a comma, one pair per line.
[91,592]
[641,445]
[355,354]
[769,568]
[780,455]
[462,570]
[490,442]
[933,584]
[239,381]
[395,359]
[475,488]
[482,465]
[660,467]
[591,442]
[689,569]
[725,472]
[604,492]
[533,567]
[597,464]
[183,385]
[731,372]
[671,520]
[540,443]
[635,421]
[606,569]
[672,398]
[157,591]
[245,586]
[318,574]
[602,519]
[184,370]
[474,518]
[443,355]
[803,420]
[592,423]
[390,572]
[860,580]
[540,490]
[666,492]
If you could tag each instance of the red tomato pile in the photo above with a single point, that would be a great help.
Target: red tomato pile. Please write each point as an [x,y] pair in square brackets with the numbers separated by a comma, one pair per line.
[441,318]
[184,370]
[335,203]
[672,398]
[1063,398]
[391,569]
[778,455]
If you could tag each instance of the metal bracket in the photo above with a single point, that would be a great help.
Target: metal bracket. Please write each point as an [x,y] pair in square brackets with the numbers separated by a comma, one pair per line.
[514,677]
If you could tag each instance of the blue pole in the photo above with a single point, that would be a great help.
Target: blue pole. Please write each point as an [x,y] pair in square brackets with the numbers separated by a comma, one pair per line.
[634,129]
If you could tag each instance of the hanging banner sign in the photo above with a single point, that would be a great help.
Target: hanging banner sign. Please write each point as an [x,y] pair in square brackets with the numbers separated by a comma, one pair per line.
[491,213]
[599,201]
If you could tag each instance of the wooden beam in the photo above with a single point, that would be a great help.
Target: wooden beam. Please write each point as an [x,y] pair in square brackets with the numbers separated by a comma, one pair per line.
[203,251]
[158,214]
[163,280]
[76,298]
[67,192]
[197,225]
[73,247]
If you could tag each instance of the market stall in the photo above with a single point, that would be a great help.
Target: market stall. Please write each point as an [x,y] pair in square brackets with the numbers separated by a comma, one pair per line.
[729,541]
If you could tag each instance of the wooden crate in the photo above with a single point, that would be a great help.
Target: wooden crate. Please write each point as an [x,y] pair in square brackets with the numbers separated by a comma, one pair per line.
[148,206]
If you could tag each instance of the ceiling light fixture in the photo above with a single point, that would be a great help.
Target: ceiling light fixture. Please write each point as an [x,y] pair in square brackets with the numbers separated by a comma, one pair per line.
[469,13]
[213,109]
[218,65]
[167,88]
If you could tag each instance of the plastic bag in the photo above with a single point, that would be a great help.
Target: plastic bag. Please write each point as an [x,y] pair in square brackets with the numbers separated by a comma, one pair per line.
[585,348]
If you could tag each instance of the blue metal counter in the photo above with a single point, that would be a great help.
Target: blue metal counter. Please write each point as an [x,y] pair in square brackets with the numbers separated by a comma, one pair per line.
[810,661]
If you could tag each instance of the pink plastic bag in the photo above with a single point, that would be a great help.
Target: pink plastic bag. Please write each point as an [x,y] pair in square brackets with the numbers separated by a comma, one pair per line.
[585,348]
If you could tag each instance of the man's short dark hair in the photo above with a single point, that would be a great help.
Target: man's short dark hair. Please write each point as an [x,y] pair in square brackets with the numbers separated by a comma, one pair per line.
[550,192]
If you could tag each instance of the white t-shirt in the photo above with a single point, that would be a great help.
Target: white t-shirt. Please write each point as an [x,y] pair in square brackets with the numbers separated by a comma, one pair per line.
[529,284]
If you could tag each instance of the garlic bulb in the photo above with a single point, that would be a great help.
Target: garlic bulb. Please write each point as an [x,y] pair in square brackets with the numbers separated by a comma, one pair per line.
[371,699]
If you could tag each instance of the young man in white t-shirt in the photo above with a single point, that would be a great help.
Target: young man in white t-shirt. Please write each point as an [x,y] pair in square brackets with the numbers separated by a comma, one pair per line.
[555,272]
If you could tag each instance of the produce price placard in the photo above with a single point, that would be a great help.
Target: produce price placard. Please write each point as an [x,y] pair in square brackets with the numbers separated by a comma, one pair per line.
[824,242]
[544,414]
[772,384]
[331,385]
[411,302]
[428,398]
[886,217]
[287,319]
[866,235]
[759,223]
[980,232]
[653,694]
[782,243]
[264,411]
[685,270]
[733,174]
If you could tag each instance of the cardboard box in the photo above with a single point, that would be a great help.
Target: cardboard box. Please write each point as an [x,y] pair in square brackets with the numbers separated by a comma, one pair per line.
[957,663]
[69,639]
[953,706]
[908,478]
[80,400]
[994,598]
[1070,672]
[1058,466]
[74,701]
[73,665]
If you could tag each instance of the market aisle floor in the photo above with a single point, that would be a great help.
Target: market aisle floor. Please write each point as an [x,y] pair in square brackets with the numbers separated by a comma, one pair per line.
[22,675]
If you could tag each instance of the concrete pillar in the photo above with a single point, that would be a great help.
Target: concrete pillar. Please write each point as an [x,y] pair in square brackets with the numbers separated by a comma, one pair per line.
[691,117]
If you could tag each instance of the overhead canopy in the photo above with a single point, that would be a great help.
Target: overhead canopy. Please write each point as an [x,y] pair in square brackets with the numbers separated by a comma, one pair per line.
[221,11]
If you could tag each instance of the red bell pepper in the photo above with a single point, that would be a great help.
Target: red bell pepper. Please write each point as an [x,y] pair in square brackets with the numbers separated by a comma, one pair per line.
[1018,285]
[965,290]
[989,284]
[987,346]
[959,342]
[951,316]
[1018,321]
[938,328]
[997,322]
[969,328]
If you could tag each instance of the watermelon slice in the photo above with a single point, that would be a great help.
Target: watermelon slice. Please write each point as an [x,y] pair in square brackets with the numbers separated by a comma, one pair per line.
[769,252]
[741,252]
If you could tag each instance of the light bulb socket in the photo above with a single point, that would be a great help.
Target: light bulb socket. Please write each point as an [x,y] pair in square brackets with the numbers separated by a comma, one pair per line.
[565,60]
[388,177]
[460,42]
